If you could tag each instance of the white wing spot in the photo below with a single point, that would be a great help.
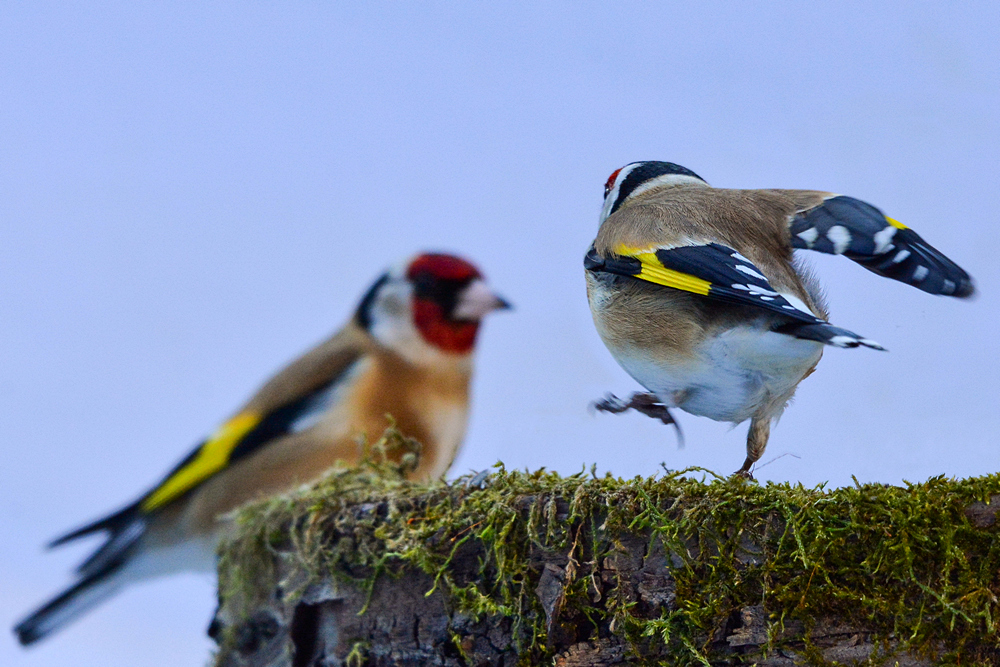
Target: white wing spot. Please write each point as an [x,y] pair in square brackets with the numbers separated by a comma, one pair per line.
[883,240]
[315,408]
[844,341]
[750,272]
[840,237]
[798,304]
[920,273]
[740,257]
[948,286]
[900,256]
[755,290]
[810,235]
[767,298]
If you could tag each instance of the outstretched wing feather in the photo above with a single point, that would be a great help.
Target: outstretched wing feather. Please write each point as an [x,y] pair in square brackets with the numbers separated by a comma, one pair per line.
[846,226]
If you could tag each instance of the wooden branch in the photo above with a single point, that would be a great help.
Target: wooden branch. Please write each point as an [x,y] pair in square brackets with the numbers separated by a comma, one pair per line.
[537,569]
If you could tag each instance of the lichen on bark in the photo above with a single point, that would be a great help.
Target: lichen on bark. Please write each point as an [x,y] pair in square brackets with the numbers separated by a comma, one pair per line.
[685,568]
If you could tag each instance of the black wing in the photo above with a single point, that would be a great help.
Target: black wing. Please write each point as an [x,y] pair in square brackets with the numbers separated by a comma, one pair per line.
[859,231]
[126,527]
[718,272]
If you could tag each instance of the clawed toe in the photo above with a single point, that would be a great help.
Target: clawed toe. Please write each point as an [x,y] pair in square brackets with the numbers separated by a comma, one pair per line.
[644,403]
[746,471]
[650,405]
[610,403]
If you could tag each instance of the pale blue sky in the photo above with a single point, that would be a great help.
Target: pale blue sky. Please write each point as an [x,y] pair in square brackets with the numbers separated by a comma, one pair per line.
[193,193]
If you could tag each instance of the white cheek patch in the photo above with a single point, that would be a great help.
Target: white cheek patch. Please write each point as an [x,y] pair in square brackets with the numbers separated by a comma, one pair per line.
[612,196]
[391,318]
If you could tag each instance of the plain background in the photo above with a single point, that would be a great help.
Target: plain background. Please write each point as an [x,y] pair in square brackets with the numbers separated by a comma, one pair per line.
[193,193]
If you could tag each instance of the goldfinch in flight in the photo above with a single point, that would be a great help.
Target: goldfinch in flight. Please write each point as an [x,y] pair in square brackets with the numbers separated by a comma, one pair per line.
[406,352]
[696,293]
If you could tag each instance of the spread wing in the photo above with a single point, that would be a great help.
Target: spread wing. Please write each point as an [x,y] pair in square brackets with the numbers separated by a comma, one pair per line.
[715,271]
[846,226]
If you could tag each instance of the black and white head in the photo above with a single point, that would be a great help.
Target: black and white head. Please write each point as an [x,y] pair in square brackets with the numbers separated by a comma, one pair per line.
[428,308]
[638,177]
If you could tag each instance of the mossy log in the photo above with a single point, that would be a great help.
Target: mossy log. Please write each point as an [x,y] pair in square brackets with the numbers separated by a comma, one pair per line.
[366,568]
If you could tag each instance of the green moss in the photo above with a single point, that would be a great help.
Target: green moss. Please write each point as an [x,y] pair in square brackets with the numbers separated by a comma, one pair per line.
[903,561]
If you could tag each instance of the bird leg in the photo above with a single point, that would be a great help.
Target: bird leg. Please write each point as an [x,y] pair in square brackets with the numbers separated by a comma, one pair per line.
[645,403]
[760,431]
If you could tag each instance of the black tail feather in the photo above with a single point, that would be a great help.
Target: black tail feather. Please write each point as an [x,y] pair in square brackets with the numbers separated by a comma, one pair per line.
[110,523]
[121,542]
[99,574]
[827,334]
[68,605]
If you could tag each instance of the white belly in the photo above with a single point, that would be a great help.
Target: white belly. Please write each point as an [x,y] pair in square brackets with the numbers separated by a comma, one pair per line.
[731,375]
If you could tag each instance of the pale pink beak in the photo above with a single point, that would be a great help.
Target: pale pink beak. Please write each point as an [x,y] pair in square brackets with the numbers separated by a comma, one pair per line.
[476,301]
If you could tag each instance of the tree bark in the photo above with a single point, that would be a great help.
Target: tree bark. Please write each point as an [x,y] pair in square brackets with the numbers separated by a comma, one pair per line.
[591,589]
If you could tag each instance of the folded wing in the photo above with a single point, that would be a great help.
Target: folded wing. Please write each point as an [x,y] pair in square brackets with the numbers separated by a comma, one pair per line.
[718,272]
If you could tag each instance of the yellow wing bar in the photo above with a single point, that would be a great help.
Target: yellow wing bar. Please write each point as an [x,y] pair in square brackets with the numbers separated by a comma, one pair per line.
[210,458]
[653,271]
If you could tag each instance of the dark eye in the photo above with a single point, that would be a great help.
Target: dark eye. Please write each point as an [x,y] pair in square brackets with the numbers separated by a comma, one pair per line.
[424,283]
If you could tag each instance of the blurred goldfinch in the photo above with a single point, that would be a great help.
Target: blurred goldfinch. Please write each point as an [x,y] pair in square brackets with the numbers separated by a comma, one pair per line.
[406,352]
[695,291]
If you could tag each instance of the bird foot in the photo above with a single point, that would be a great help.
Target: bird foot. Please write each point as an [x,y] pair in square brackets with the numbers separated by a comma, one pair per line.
[479,480]
[645,403]
[746,472]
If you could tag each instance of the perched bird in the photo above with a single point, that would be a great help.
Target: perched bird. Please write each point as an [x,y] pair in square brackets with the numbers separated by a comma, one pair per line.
[406,352]
[696,293]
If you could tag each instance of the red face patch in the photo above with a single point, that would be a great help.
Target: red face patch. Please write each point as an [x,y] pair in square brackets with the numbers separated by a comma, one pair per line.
[443,267]
[438,279]
[610,183]
[447,335]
